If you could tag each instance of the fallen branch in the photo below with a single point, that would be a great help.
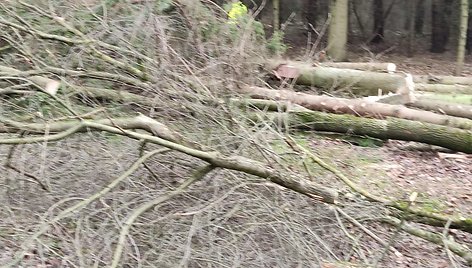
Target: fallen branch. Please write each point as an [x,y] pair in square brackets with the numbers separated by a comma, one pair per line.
[199,174]
[435,238]
[236,163]
[44,227]
[72,126]
[418,214]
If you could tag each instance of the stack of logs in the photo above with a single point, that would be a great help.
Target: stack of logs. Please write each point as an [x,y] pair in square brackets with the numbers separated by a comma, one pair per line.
[395,105]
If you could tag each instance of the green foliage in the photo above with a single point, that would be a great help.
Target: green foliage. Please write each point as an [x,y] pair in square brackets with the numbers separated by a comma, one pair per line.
[431,205]
[236,11]
[164,6]
[275,44]
[37,103]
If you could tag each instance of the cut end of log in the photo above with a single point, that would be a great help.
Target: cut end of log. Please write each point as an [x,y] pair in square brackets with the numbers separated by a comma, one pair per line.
[391,68]
[407,90]
[52,87]
[286,71]
[410,87]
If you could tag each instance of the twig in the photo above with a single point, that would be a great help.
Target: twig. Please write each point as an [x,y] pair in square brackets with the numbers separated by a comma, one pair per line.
[367,231]
[236,163]
[199,174]
[80,205]
[435,238]
[445,238]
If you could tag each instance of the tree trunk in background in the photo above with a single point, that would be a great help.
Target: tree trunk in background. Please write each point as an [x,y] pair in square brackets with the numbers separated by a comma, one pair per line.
[379,22]
[337,37]
[411,27]
[462,36]
[419,17]
[441,12]
[276,14]
[358,18]
[310,10]
[469,30]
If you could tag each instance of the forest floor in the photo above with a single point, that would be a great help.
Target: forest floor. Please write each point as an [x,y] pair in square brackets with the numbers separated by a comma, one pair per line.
[443,180]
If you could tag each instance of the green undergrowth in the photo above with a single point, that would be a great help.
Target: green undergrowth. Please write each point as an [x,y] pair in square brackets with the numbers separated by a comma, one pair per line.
[352,160]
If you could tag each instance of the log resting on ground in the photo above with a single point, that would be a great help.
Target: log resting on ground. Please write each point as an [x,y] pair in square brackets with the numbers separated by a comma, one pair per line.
[443,88]
[439,79]
[359,107]
[360,82]
[363,66]
[442,107]
[389,128]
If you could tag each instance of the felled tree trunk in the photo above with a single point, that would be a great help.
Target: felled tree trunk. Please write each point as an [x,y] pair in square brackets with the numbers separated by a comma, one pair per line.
[442,79]
[463,99]
[442,107]
[360,82]
[443,88]
[387,67]
[389,128]
[358,107]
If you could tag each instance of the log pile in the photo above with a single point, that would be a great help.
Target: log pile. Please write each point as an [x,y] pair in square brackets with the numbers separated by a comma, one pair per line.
[393,105]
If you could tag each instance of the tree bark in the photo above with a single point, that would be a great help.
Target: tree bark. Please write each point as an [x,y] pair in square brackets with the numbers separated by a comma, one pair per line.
[442,107]
[358,107]
[276,14]
[364,66]
[361,82]
[443,79]
[462,36]
[338,29]
[468,44]
[389,128]
[443,88]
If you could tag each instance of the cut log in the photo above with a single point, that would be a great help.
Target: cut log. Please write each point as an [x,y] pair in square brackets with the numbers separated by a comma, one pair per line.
[440,79]
[443,107]
[363,66]
[450,98]
[443,88]
[358,107]
[390,128]
[360,82]
[48,85]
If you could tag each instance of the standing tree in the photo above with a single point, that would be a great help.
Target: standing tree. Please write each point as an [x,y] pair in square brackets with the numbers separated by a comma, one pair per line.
[276,14]
[419,16]
[310,10]
[411,26]
[379,21]
[441,11]
[468,44]
[462,36]
[337,36]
